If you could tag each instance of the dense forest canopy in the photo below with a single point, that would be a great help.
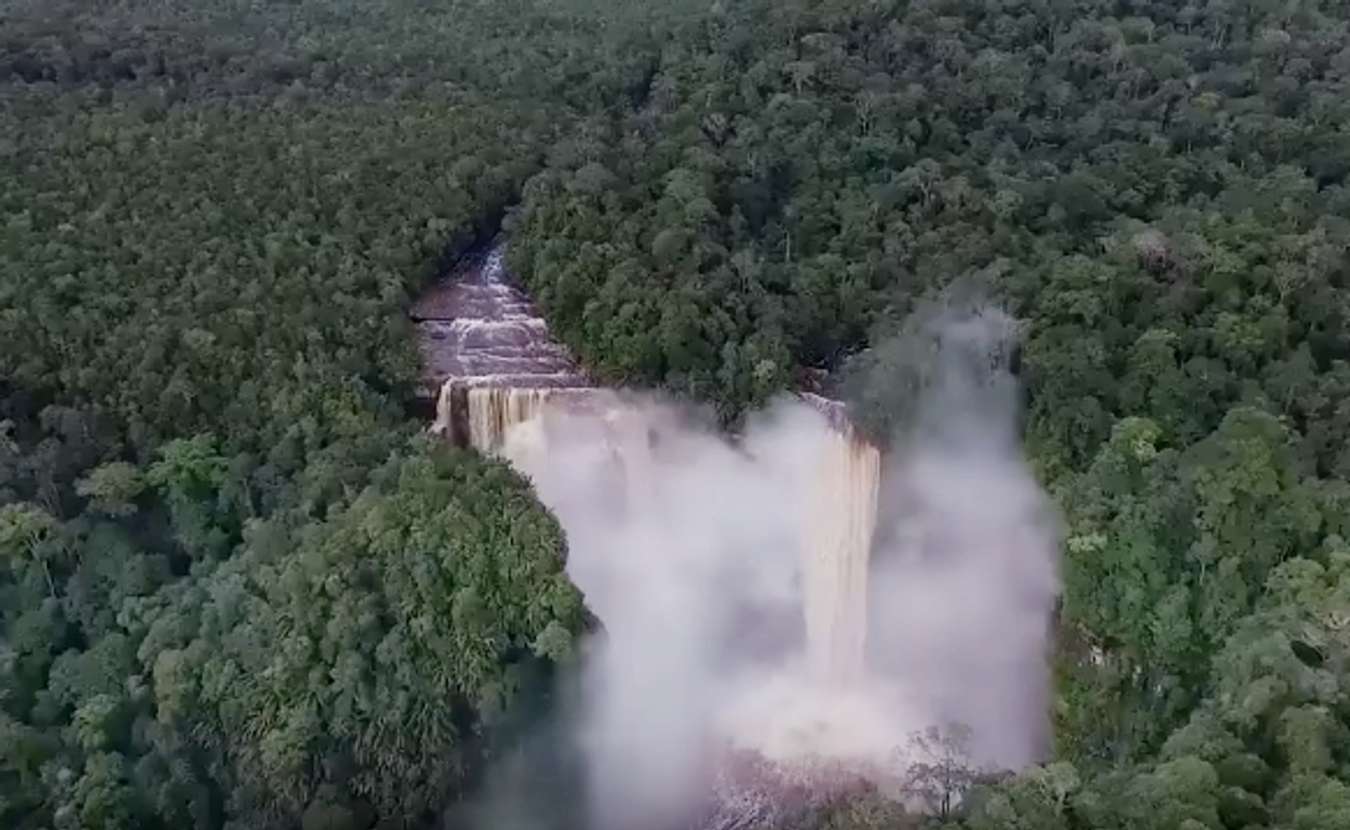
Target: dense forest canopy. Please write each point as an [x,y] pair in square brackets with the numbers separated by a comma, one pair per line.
[237,589]
[211,499]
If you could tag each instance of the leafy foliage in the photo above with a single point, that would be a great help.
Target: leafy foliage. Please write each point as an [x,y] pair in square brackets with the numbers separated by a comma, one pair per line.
[237,591]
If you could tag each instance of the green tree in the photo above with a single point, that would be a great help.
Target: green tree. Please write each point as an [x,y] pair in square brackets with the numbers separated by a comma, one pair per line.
[30,537]
[112,488]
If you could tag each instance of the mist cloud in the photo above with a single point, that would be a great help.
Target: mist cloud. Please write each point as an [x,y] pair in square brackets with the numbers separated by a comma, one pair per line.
[690,550]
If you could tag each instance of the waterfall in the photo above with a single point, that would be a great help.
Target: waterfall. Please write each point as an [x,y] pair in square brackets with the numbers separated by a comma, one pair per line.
[736,670]
[483,417]
[836,555]
[492,410]
[508,389]
[838,526]
[444,425]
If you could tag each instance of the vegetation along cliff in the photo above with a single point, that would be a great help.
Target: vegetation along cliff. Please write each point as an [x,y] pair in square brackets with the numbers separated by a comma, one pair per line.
[243,584]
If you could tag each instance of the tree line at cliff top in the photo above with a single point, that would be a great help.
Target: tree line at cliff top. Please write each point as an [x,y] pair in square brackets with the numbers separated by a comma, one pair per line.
[236,589]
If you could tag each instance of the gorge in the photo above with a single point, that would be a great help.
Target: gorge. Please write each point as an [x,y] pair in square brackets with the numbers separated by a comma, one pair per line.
[757,599]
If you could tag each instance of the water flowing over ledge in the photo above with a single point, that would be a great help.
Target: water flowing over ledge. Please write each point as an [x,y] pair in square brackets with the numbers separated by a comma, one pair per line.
[478,329]
[489,361]
[654,511]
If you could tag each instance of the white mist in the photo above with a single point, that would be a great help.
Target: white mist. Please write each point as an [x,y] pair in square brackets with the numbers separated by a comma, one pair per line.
[792,594]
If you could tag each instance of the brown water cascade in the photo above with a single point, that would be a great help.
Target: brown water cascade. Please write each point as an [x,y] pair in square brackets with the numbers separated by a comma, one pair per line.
[505,387]
[495,366]
[488,359]
[837,550]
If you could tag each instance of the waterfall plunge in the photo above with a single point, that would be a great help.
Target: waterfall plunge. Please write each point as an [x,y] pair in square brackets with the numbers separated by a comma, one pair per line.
[745,611]
[838,521]
[504,378]
[742,601]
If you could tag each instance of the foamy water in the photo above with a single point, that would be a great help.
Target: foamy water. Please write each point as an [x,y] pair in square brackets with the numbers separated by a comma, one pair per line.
[477,328]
